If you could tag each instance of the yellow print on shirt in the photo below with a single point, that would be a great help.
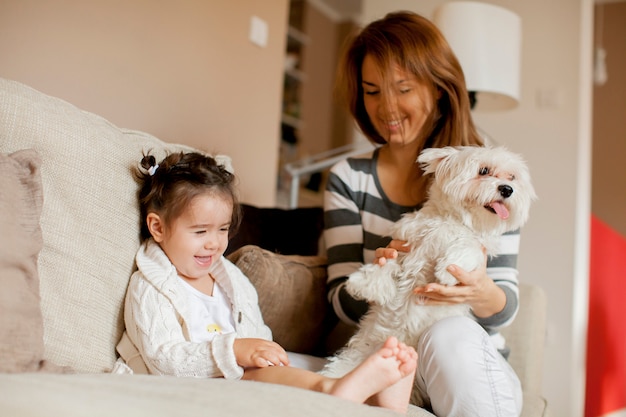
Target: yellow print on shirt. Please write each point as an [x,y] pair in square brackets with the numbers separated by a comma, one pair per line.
[214,328]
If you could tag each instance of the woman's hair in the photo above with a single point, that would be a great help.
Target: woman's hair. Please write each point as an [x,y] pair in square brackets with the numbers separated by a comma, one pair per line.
[168,187]
[417,46]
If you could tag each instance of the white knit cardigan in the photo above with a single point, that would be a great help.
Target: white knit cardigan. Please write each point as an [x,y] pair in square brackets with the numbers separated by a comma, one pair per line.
[156,339]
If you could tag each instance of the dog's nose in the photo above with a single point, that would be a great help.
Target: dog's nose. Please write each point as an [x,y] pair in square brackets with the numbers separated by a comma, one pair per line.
[505,190]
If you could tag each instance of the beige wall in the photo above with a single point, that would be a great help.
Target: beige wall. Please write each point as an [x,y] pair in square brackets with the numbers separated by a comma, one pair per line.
[343,124]
[181,70]
[319,61]
[551,128]
[609,114]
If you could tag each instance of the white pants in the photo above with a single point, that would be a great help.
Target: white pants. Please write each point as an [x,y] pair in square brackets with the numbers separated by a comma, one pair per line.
[462,374]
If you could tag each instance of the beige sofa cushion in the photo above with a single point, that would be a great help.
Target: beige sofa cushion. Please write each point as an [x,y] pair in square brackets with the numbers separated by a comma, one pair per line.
[21,324]
[89,219]
[527,344]
[292,295]
[166,396]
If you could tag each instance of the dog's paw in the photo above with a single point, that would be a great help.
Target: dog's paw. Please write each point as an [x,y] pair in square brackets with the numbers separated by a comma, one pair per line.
[444,277]
[360,283]
[356,281]
[373,283]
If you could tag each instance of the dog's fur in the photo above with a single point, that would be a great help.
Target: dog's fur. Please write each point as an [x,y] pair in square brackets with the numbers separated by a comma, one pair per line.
[476,195]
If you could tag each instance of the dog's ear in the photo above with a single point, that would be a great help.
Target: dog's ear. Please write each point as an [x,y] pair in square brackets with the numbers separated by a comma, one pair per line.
[430,158]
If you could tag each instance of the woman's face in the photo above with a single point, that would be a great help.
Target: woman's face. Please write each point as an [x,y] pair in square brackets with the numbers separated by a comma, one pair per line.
[398,113]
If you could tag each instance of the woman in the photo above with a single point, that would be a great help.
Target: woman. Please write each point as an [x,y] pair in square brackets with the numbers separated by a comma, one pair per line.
[406,91]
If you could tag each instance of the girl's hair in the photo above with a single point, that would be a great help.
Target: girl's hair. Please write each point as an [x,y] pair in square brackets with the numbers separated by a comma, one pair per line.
[168,187]
[417,46]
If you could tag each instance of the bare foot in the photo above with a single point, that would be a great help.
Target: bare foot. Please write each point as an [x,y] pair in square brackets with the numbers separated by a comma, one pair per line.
[384,379]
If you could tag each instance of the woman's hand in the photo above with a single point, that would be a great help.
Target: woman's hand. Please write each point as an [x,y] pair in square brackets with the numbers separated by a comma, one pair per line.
[259,353]
[474,288]
[390,252]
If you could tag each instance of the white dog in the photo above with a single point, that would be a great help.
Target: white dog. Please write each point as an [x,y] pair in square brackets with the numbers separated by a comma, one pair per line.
[476,195]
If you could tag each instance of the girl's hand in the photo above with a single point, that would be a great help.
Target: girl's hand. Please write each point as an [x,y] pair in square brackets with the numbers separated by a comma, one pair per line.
[474,288]
[259,353]
[390,252]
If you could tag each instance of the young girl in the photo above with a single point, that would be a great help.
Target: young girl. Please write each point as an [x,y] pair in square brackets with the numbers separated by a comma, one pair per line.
[191,312]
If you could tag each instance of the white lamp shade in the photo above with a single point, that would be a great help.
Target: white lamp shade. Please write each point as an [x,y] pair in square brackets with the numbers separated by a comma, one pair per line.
[487,41]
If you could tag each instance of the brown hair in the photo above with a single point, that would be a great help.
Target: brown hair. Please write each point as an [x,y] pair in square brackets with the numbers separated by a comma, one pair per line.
[416,45]
[168,187]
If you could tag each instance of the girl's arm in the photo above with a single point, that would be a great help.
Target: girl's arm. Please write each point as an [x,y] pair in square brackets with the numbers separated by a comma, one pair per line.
[259,353]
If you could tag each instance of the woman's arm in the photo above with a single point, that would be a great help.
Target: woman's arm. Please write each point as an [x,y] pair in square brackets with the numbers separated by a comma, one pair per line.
[343,237]
[358,218]
[502,269]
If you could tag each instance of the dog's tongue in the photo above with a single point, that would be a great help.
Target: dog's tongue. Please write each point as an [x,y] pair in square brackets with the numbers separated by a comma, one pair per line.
[500,210]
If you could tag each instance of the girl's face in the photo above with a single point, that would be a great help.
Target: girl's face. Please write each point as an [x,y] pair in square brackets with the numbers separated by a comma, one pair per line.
[199,236]
[400,117]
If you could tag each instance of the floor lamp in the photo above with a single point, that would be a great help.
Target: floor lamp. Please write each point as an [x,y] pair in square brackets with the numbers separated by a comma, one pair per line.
[487,41]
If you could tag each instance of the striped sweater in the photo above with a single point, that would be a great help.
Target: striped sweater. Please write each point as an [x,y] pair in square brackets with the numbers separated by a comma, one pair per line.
[357,219]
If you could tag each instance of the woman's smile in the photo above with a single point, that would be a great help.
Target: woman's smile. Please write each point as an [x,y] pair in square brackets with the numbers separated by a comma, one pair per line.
[397,107]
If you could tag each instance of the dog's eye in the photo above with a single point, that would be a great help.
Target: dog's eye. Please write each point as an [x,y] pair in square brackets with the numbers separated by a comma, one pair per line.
[483,171]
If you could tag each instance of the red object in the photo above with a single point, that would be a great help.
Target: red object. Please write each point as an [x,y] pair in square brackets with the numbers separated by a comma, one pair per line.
[606,338]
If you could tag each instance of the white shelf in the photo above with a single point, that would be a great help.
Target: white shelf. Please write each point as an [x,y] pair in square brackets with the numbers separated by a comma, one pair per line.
[291,121]
[296,74]
[297,35]
[320,162]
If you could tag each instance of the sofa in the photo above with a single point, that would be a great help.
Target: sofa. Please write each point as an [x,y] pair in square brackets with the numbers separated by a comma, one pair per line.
[70,231]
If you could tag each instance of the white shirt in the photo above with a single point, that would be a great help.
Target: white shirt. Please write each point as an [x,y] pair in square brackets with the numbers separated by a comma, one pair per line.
[208,314]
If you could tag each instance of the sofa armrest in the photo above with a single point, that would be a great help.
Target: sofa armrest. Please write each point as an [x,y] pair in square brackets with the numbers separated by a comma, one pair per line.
[526,338]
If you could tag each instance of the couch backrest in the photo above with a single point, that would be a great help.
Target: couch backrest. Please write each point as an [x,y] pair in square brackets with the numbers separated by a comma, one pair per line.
[526,337]
[89,220]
